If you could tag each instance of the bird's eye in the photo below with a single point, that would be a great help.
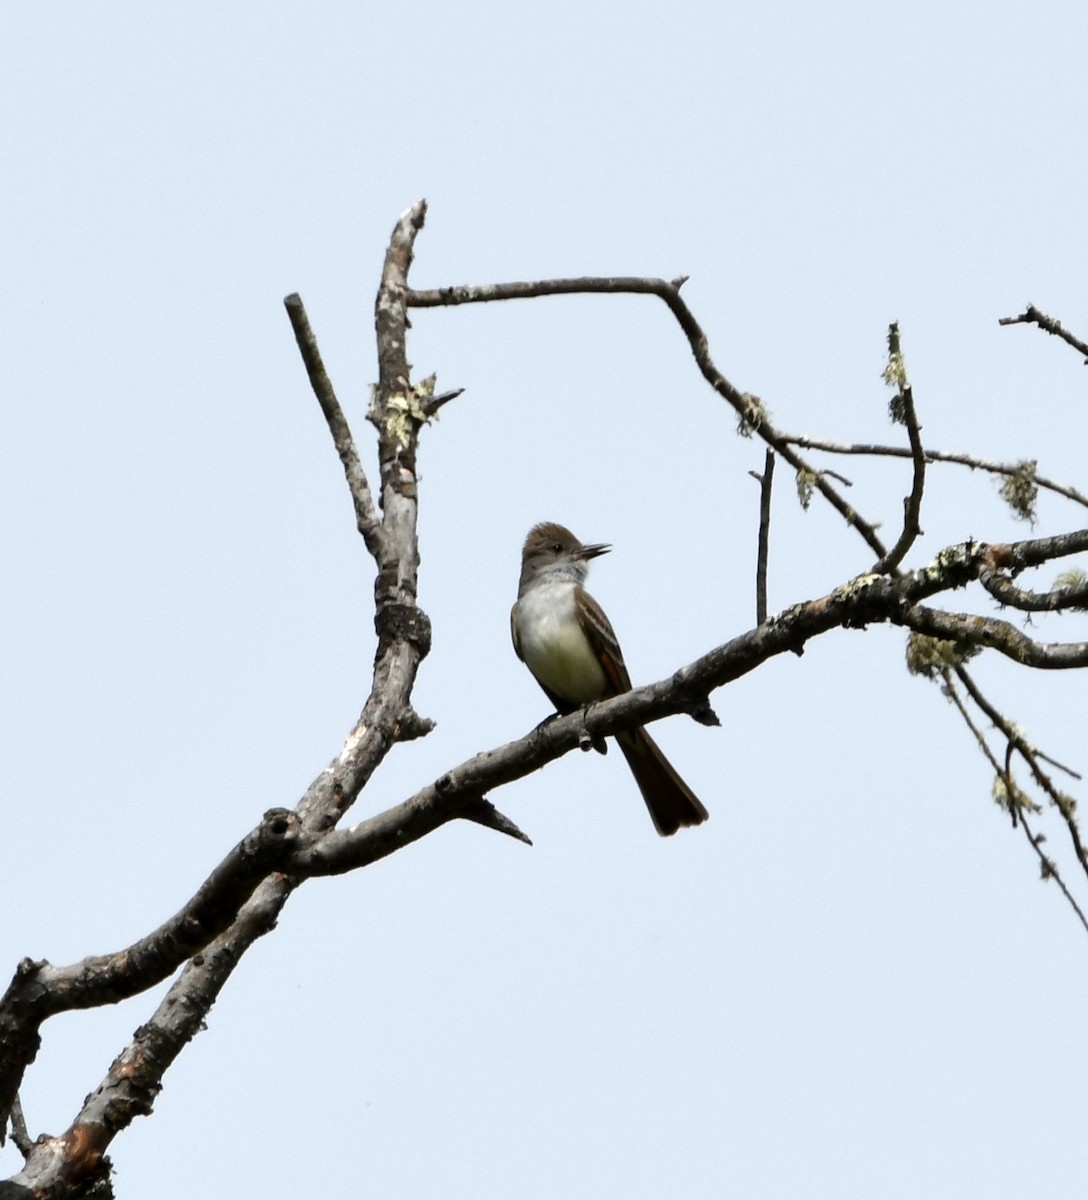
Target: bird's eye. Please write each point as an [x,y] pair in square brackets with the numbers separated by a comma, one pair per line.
[557,547]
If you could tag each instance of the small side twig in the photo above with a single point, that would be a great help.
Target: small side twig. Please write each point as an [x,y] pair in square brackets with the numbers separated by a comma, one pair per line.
[875,450]
[1016,807]
[1050,869]
[1031,757]
[765,483]
[20,1135]
[434,403]
[366,517]
[483,812]
[902,408]
[1032,316]
[1058,766]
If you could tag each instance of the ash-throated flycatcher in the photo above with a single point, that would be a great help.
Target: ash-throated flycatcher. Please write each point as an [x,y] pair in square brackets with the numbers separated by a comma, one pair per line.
[562,635]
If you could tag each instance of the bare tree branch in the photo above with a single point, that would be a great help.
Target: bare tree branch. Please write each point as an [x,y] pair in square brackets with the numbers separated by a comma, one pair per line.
[1049,869]
[366,516]
[1060,599]
[875,450]
[997,635]
[1015,799]
[765,481]
[754,417]
[1032,316]
[1019,743]
[20,1135]
[902,409]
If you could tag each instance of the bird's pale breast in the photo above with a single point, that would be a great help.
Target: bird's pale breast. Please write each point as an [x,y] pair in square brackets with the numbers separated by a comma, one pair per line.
[551,641]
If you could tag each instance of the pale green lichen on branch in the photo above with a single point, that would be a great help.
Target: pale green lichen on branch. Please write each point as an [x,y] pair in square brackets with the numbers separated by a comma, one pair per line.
[951,561]
[1020,491]
[895,376]
[1073,580]
[1008,795]
[403,413]
[752,418]
[1067,805]
[930,657]
[853,588]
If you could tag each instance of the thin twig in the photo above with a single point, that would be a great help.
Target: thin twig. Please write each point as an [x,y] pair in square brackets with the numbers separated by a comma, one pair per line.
[1027,752]
[366,516]
[1050,869]
[1016,809]
[875,450]
[904,407]
[953,694]
[1032,316]
[434,403]
[20,1135]
[483,812]
[1058,766]
[753,415]
[765,483]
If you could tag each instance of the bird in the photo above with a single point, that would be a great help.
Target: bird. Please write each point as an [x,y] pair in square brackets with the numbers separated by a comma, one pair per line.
[563,636]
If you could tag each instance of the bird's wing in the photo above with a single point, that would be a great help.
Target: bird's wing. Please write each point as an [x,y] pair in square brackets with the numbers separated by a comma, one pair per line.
[602,638]
[514,633]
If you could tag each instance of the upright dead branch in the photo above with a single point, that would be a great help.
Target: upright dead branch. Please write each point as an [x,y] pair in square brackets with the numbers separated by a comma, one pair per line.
[766,484]
[902,412]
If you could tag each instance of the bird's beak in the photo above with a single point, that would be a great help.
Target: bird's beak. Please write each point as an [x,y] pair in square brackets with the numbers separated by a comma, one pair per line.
[594,551]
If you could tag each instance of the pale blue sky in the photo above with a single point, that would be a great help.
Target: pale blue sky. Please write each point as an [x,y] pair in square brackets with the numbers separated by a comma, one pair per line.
[850,983]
